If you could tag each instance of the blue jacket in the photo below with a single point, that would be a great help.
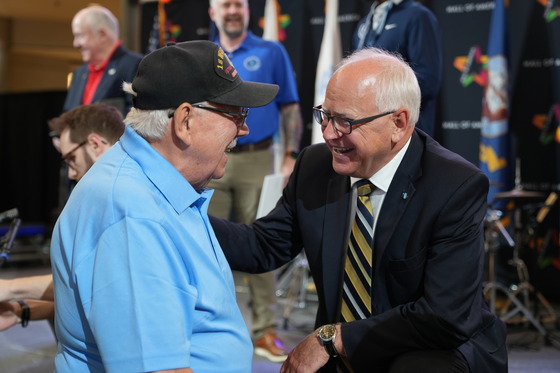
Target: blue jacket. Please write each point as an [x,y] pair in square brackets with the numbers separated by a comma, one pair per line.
[413,31]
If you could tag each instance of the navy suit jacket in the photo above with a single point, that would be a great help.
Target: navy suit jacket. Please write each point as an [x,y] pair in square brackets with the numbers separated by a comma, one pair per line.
[429,255]
[121,68]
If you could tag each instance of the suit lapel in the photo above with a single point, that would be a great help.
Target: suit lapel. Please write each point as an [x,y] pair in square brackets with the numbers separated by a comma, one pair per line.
[109,77]
[400,192]
[107,81]
[335,240]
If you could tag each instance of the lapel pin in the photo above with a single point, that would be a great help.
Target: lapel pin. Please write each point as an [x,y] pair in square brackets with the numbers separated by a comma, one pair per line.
[111,71]
[404,195]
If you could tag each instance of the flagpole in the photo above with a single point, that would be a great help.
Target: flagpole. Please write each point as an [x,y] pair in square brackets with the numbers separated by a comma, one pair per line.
[329,56]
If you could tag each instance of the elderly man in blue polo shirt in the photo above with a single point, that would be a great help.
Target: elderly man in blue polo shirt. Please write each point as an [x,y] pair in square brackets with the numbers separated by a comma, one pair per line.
[141,283]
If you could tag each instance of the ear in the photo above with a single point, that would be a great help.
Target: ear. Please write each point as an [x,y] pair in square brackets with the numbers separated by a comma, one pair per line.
[182,124]
[211,13]
[102,32]
[400,119]
[98,144]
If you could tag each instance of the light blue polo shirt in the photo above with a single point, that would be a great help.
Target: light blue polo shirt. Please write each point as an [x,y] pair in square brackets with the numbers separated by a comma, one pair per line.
[264,61]
[141,283]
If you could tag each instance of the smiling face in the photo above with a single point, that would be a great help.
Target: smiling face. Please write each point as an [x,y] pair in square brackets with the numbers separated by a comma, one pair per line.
[89,42]
[351,94]
[215,135]
[231,17]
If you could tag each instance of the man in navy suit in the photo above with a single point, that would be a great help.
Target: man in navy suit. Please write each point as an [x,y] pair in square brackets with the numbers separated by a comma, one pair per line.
[428,312]
[107,63]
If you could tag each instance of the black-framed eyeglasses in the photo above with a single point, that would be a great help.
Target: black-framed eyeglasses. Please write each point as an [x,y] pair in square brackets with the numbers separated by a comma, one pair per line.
[238,117]
[69,157]
[341,124]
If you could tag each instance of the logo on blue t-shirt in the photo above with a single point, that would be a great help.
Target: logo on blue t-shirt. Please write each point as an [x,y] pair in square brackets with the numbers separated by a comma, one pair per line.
[252,63]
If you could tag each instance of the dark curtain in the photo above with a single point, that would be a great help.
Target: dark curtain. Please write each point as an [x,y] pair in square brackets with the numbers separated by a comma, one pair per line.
[29,163]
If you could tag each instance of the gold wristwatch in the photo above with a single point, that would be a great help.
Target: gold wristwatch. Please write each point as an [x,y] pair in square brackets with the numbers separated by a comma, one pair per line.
[327,335]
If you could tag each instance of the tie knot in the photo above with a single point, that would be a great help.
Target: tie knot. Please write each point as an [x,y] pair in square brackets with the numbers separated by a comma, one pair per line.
[365,187]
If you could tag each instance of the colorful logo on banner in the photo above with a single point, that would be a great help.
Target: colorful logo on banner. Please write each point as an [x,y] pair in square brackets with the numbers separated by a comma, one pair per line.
[552,9]
[472,67]
[549,125]
[284,21]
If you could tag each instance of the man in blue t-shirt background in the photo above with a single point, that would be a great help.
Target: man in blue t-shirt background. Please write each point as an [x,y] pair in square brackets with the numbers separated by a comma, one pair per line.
[237,194]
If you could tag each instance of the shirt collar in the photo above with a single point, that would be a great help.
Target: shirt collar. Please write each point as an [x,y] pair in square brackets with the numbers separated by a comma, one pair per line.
[382,178]
[163,175]
[245,44]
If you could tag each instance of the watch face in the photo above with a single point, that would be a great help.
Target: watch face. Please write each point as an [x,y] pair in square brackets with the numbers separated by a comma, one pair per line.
[328,331]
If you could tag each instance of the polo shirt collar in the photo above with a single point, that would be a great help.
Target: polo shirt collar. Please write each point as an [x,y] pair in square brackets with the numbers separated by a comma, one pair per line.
[164,176]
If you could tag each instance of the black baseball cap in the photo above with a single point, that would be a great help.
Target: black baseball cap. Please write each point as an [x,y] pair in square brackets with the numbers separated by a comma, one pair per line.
[194,71]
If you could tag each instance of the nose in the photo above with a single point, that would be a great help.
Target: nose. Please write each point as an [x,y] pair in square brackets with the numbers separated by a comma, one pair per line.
[329,132]
[233,9]
[243,130]
[72,173]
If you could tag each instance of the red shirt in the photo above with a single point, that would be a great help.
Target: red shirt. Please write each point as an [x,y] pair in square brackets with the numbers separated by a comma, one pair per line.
[94,77]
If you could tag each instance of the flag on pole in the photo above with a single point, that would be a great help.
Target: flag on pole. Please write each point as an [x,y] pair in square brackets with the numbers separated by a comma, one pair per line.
[329,56]
[494,156]
[271,27]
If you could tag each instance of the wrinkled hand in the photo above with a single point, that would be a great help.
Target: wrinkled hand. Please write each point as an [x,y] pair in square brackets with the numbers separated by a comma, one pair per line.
[308,356]
[8,317]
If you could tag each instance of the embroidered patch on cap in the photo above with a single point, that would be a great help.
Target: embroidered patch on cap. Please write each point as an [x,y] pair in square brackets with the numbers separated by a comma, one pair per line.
[224,67]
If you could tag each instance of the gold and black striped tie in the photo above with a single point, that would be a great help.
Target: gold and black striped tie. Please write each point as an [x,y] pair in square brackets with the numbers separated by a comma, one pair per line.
[356,295]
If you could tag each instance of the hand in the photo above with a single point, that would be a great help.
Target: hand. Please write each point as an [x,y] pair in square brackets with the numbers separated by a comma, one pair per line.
[5,293]
[8,316]
[308,356]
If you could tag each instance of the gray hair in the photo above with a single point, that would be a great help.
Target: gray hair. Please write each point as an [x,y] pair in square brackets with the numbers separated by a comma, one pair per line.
[150,124]
[97,17]
[395,85]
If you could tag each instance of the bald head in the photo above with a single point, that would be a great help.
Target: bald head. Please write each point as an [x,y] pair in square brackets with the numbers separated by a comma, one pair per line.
[385,76]
[96,33]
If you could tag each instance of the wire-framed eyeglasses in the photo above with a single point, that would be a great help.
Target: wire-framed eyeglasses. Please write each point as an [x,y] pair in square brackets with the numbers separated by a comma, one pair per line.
[341,124]
[238,117]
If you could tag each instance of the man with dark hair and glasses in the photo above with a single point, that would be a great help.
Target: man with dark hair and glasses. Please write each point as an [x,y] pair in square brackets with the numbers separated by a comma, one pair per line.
[89,130]
[392,226]
[84,134]
[140,281]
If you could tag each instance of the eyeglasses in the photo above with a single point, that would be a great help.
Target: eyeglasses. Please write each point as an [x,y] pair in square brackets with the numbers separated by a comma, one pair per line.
[69,157]
[342,125]
[238,117]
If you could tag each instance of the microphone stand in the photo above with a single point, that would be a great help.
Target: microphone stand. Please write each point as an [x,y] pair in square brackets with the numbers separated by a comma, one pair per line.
[7,241]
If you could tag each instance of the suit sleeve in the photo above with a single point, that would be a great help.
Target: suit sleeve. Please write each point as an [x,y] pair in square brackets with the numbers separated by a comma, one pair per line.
[270,241]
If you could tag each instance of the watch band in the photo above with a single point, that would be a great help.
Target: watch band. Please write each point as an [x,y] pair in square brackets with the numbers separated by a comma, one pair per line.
[331,350]
[25,313]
